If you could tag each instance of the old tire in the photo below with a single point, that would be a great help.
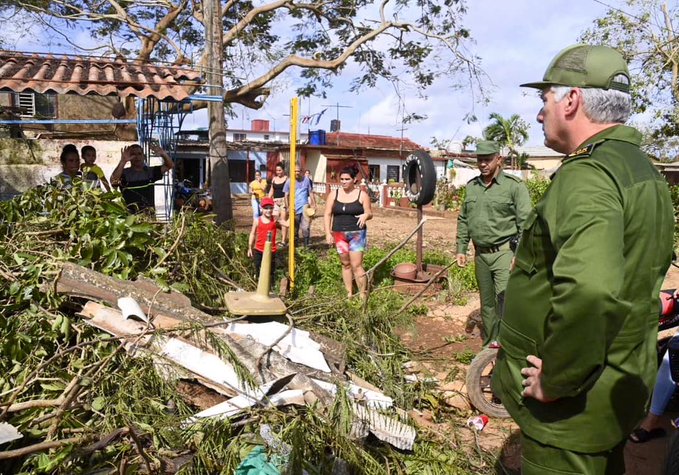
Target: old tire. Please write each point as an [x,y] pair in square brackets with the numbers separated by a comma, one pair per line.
[419,176]
[478,385]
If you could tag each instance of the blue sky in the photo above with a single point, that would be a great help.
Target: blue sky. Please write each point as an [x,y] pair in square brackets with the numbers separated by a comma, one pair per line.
[515,39]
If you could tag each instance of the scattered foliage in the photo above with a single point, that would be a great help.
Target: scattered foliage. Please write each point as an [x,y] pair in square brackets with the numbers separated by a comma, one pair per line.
[66,383]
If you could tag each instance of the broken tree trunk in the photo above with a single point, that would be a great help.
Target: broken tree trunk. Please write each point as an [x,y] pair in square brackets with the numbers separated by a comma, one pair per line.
[78,281]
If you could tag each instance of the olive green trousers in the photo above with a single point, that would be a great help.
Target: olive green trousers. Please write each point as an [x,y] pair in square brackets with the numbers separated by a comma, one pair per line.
[492,273]
[540,459]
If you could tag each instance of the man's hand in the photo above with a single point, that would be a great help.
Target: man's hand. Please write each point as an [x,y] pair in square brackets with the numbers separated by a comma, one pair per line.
[461,260]
[532,385]
[155,148]
[329,239]
[249,252]
[125,155]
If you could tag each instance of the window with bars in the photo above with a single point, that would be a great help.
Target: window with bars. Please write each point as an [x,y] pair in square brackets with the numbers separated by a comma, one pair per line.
[33,104]
[238,137]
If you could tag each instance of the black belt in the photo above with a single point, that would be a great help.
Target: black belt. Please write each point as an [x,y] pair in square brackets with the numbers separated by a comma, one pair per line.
[500,247]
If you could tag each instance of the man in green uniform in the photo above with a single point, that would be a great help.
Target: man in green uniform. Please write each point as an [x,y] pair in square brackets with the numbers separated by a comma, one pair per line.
[495,207]
[578,357]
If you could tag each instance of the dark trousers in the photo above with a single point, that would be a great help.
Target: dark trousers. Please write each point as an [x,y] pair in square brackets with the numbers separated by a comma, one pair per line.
[492,274]
[257,258]
[303,224]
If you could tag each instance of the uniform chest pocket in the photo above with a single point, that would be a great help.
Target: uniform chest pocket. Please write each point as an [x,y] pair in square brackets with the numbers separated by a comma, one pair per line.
[501,205]
[470,203]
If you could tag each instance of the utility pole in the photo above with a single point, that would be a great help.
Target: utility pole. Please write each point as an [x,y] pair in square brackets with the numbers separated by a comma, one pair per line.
[220,182]
[402,129]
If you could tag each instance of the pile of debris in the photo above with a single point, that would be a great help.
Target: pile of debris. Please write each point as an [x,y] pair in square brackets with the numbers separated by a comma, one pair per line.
[95,366]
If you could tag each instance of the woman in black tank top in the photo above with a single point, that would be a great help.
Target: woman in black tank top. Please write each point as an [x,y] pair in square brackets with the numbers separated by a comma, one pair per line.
[346,211]
[276,192]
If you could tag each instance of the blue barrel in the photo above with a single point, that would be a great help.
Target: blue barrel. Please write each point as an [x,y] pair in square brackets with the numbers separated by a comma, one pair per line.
[317,137]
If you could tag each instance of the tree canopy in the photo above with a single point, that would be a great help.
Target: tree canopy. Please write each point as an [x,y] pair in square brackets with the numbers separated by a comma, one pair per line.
[644,31]
[400,40]
[510,133]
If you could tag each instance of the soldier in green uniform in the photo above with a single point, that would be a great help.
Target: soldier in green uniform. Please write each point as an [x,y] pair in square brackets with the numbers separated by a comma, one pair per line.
[578,357]
[495,207]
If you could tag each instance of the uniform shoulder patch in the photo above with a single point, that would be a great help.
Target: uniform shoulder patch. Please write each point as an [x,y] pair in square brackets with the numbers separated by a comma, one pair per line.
[582,152]
[513,177]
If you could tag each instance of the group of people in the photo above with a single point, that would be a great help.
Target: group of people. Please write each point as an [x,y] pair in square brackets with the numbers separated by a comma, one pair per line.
[568,288]
[573,310]
[346,212]
[72,168]
[136,181]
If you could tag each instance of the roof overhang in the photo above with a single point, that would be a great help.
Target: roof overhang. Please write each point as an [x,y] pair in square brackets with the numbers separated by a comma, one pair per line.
[94,76]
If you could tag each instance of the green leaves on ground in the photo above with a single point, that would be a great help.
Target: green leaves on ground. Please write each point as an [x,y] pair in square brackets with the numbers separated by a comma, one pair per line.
[94,389]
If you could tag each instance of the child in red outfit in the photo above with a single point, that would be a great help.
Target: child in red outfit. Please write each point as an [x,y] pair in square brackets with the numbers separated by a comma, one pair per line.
[261,227]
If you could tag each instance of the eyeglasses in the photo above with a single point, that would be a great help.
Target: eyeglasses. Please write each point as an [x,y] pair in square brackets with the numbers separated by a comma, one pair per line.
[267,207]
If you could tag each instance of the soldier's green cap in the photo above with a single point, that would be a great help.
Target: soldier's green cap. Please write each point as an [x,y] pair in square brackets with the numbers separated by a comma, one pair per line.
[585,66]
[487,147]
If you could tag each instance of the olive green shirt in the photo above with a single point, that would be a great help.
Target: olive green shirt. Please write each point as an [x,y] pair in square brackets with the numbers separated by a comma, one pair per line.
[583,296]
[492,215]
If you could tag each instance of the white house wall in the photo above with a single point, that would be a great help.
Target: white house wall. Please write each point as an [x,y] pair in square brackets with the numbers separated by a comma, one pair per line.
[317,164]
[259,157]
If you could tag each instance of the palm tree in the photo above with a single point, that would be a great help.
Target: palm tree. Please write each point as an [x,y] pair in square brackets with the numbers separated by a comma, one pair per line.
[510,133]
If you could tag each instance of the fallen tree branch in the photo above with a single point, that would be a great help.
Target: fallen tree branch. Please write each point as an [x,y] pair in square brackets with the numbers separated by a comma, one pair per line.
[291,325]
[140,449]
[104,441]
[175,245]
[31,449]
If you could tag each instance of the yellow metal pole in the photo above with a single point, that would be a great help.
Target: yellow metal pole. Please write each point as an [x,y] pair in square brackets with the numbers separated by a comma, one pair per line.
[294,113]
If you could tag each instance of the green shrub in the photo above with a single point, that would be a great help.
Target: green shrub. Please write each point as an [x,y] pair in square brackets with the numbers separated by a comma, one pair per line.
[537,186]
[448,196]
[674,192]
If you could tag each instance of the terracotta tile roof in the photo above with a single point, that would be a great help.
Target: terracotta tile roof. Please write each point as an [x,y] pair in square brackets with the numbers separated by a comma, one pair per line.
[86,75]
[378,142]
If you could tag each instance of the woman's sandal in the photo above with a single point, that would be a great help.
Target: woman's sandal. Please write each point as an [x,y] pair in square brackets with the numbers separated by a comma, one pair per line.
[639,435]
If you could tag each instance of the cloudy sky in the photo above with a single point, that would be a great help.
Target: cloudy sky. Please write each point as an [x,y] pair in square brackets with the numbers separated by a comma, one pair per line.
[515,39]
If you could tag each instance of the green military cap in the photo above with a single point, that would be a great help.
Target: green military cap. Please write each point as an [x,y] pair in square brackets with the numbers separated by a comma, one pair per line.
[487,147]
[584,66]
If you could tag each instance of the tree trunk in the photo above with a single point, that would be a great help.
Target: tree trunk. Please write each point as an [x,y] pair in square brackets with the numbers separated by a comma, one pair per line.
[220,182]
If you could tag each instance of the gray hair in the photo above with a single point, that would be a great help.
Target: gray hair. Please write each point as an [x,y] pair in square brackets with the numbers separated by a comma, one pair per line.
[601,106]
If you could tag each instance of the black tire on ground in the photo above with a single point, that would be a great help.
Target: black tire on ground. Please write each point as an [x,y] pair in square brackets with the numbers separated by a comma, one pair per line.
[478,385]
[419,176]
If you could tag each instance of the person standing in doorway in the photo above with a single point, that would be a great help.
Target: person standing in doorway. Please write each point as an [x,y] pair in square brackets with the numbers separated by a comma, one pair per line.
[278,194]
[578,356]
[494,211]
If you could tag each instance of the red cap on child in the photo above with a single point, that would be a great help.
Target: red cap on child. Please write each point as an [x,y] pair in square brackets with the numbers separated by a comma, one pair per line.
[267,201]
